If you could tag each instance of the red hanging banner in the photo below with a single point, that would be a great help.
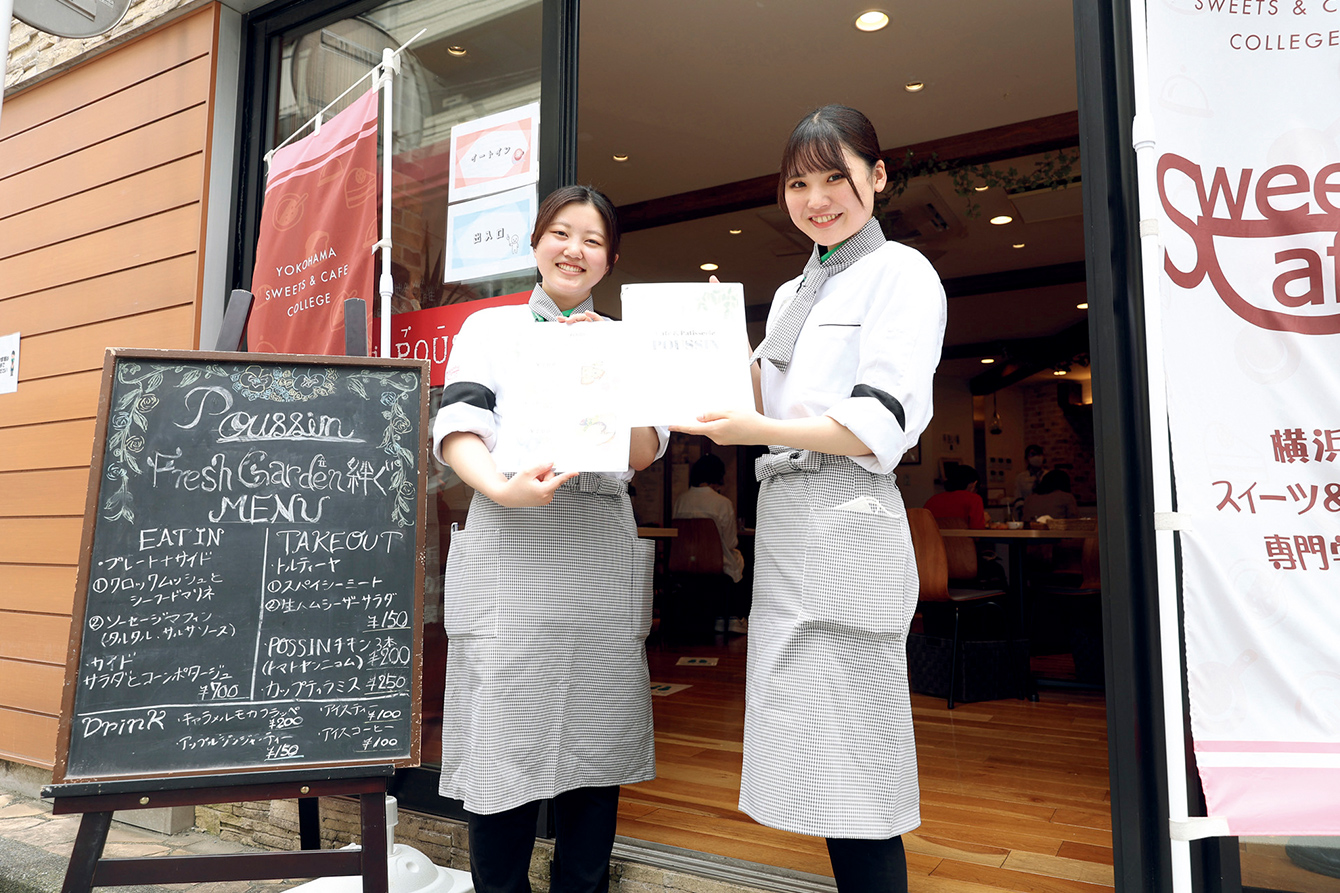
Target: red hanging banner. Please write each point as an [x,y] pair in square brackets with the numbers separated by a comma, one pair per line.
[318,227]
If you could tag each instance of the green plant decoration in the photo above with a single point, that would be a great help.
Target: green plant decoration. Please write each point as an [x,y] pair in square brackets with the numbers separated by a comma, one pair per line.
[1053,171]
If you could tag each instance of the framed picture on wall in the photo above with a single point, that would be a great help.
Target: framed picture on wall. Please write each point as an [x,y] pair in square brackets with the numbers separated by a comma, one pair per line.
[912,456]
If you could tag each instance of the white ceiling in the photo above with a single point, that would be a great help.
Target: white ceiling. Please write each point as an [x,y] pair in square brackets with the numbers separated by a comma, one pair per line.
[701,93]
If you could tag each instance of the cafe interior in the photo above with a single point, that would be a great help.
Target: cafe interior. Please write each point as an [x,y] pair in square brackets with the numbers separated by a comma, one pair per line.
[682,111]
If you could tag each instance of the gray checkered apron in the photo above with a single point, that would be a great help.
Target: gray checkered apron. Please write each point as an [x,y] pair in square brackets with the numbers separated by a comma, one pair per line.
[547,610]
[828,746]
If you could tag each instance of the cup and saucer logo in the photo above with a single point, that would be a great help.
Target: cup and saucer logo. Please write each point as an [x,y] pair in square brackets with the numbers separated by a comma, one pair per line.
[1268,240]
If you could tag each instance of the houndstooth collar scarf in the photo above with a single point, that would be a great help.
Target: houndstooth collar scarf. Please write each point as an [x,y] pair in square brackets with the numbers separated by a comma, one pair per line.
[544,307]
[781,340]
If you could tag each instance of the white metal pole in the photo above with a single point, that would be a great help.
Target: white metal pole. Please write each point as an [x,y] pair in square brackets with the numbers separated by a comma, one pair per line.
[386,286]
[1166,523]
[6,24]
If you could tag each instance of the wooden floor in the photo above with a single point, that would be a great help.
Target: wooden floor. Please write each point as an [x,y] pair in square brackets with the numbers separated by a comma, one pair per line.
[1014,794]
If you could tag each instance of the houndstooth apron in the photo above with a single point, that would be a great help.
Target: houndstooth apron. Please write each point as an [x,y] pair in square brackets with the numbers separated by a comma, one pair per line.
[547,610]
[828,746]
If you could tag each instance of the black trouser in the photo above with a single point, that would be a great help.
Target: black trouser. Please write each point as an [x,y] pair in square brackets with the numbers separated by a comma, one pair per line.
[868,866]
[501,844]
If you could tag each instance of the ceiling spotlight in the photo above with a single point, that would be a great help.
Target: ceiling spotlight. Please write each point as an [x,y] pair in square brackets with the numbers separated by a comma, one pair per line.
[987,361]
[1002,219]
[871,20]
[1018,244]
[1059,371]
[456,51]
[980,188]
[914,86]
[707,268]
[1084,305]
[620,156]
[734,232]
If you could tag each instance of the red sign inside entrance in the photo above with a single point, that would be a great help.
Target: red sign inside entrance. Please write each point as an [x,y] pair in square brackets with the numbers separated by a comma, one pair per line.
[429,334]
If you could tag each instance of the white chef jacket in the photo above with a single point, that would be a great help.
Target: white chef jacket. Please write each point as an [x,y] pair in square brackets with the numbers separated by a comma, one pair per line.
[866,353]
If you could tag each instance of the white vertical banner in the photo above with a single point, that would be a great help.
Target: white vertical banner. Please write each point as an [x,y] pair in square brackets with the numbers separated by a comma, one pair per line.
[1245,96]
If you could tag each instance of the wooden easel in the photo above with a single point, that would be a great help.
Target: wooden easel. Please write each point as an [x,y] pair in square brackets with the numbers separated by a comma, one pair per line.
[98,800]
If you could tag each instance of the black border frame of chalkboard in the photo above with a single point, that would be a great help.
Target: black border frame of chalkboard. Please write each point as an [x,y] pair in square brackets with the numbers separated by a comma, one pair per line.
[95,479]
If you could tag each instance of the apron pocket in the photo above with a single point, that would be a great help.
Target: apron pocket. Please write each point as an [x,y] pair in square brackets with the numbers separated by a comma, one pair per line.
[639,590]
[854,571]
[470,590]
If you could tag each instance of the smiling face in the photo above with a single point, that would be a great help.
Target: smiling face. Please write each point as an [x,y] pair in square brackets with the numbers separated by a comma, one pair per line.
[824,206]
[573,254]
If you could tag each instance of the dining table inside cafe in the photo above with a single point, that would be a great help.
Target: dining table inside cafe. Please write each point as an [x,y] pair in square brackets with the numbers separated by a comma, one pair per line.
[1016,541]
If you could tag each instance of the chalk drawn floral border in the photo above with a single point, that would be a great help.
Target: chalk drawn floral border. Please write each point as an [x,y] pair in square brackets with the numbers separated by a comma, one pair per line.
[129,419]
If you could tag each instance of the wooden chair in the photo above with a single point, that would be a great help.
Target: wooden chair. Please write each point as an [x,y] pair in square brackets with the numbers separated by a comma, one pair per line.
[696,592]
[960,553]
[933,578]
[697,547]
[1080,595]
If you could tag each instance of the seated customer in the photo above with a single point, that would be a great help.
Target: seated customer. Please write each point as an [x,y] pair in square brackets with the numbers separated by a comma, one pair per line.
[703,499]
[1051,496]
[959,499]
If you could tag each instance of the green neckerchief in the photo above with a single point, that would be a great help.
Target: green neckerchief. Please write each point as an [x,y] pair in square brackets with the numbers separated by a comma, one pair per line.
[539,318]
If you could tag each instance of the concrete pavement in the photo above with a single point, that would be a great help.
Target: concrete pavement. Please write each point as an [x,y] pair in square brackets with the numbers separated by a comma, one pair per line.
[35,850]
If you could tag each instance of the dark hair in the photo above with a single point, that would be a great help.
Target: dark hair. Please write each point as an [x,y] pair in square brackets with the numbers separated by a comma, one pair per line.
[960,477]
[707,470]
[579,195]
[1051,482]
[817,143]
[1033,450]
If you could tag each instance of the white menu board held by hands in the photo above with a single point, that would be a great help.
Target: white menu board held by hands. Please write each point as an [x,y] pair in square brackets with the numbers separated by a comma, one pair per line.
[568,409]
[692,350]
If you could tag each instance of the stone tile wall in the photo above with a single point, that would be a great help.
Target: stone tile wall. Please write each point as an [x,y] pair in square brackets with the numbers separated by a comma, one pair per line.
[33,53]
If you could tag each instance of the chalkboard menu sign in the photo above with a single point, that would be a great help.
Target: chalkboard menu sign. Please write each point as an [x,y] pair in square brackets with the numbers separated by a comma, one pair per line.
[251,579]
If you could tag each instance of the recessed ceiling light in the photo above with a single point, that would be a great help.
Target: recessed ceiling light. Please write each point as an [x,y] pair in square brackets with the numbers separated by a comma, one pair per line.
[1018,244]
[735,232]
[1002,219]
[456,51]
[987,361]
[1058,372]
[914,86]
[980,188]
[871,20]
[707,267]
[620,156]
[1082,306]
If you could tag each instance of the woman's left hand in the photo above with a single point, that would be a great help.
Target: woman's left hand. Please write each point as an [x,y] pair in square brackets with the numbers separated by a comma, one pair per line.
[729,427]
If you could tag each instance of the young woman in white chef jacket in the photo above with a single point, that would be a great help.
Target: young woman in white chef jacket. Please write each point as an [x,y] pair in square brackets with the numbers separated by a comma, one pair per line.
[547,596]
[844,376]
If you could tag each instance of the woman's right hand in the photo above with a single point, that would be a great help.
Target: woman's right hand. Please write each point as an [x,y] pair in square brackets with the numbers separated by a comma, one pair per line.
[529,488]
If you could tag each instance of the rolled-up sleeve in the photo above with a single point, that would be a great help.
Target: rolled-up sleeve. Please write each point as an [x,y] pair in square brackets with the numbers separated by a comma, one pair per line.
[662,440]
[469,391]
[901,337]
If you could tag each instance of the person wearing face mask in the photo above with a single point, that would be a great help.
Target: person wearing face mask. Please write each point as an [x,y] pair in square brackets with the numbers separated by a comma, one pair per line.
[1035,459]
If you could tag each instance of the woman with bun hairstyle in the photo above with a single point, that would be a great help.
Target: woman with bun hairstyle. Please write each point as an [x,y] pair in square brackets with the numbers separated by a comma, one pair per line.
[844,379]
[547,595]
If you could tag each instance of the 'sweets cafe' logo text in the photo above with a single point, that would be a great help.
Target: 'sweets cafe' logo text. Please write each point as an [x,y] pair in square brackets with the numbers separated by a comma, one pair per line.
[1289,201]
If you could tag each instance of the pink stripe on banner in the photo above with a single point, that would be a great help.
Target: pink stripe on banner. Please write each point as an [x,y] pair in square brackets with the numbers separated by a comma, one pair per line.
[1274,802]
[1267,747]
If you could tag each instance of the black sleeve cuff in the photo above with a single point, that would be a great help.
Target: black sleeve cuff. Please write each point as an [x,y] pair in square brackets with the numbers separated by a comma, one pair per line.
[469,392]
[890,402]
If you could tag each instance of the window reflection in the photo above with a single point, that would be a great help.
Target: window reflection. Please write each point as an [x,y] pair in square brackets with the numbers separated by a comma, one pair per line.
[477,57]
